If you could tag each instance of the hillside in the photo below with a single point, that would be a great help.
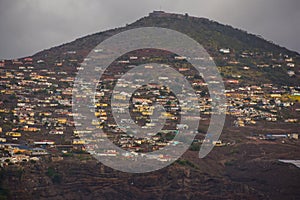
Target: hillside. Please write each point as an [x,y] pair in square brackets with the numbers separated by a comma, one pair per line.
[262,122]
[267,61]
[212,35]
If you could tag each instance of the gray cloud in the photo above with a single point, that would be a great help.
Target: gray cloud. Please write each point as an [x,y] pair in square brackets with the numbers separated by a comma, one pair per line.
[28,26]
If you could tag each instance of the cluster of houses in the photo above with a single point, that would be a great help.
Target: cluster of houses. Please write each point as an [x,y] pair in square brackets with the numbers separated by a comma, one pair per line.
[274,137]
[12,153]
[256,103]
[36,104]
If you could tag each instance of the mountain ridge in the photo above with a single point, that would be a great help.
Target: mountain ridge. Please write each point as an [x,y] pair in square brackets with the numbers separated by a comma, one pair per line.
[266,61]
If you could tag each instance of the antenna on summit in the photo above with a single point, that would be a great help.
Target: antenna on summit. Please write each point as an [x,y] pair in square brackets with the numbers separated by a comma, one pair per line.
[160,6]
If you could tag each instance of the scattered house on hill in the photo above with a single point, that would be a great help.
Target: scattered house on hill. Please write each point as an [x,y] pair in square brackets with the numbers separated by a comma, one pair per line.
[2,140]
[14,134]
[182,126]
[21,150]
[78,142]
[39,152]
[44,142]
[218,143]
[224,51]
[294,136]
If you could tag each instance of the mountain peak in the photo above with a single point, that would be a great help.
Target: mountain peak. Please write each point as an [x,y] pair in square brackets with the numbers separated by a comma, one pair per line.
[243,49]
[160,13]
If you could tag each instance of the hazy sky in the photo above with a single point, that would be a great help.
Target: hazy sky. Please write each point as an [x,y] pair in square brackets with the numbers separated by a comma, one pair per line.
[28,26]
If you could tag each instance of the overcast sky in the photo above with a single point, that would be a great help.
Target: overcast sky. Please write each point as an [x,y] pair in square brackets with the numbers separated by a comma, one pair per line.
[29,26]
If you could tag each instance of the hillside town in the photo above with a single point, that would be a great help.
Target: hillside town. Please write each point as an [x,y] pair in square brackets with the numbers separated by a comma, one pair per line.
[78,121]
[37,117]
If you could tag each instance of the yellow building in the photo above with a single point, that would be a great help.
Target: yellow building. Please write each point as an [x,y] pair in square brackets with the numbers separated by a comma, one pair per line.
[77,141]
[120,97]
[101,104]
[62,120]
[31,129]
[14,134]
